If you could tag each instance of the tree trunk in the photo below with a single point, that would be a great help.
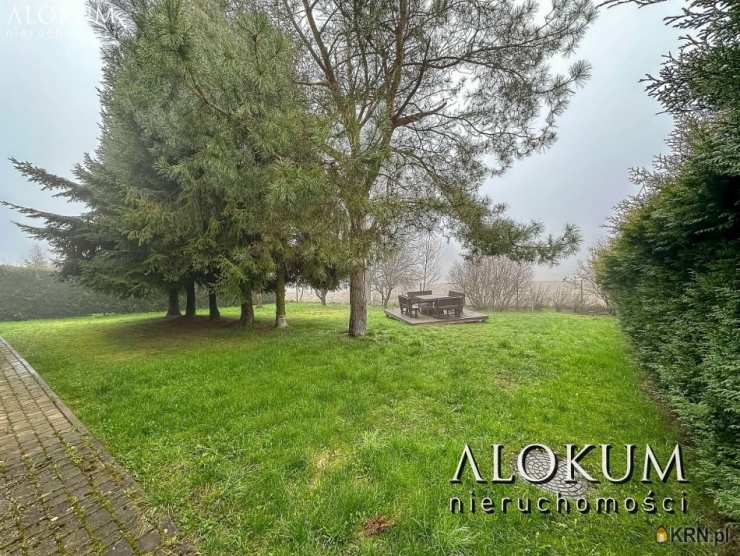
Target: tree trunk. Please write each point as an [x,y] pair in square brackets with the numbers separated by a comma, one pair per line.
[247,316]
[190,298]
[322,295]
[213,312]
[358,300]
[280,320]
[173,308]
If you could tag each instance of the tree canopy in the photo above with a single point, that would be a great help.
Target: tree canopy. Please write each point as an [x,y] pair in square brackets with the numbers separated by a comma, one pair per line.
[245,145]
[205,169]
[416,94]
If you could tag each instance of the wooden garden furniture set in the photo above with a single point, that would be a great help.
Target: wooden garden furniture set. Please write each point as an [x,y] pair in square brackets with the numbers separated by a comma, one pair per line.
[438,306]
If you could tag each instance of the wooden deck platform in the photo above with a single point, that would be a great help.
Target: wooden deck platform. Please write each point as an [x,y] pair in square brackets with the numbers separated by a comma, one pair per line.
[468,316]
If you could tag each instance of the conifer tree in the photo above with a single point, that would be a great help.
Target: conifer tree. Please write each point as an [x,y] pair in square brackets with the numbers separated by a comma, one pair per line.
[417,93]
[253,142]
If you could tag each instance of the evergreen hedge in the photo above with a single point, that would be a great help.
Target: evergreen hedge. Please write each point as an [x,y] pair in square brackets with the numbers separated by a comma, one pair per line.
[38,294]
[27,293]
[672,271]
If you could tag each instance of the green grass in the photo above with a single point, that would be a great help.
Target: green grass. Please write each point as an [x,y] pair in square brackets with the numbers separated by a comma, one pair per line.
[290,441]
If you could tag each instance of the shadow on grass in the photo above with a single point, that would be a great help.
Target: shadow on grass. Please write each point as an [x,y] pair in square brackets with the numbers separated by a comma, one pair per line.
[166,333]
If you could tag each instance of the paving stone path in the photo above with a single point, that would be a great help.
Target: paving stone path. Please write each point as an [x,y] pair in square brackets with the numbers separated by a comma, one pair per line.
[60,490]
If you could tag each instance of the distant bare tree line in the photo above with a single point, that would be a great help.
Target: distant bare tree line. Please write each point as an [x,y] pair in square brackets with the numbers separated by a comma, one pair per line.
[38,259]
[493,283]
[498,283]
[411,262]
[489,283]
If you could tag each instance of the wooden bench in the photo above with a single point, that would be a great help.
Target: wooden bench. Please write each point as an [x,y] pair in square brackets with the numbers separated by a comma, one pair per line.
[408,306]
[446,305]
[453,293]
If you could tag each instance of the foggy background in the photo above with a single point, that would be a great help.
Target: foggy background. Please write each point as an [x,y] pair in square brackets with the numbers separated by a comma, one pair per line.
[51,68]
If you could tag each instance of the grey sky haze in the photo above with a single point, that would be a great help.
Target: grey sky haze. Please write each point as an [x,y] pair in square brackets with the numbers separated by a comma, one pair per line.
[50,114]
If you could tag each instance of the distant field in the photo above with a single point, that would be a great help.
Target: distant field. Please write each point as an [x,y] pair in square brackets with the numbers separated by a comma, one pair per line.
[304,441]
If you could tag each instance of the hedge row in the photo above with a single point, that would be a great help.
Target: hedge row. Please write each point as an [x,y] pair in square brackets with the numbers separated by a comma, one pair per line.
[38,294]
[674,274]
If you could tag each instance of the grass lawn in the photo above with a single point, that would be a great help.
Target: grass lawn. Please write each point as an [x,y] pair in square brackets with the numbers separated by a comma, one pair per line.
[301,440]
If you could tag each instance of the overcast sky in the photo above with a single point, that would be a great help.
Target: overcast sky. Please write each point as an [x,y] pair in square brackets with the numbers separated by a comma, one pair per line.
[51,67]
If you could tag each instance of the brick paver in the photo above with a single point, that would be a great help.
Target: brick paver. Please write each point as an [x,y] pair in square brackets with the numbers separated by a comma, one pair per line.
[60,490]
